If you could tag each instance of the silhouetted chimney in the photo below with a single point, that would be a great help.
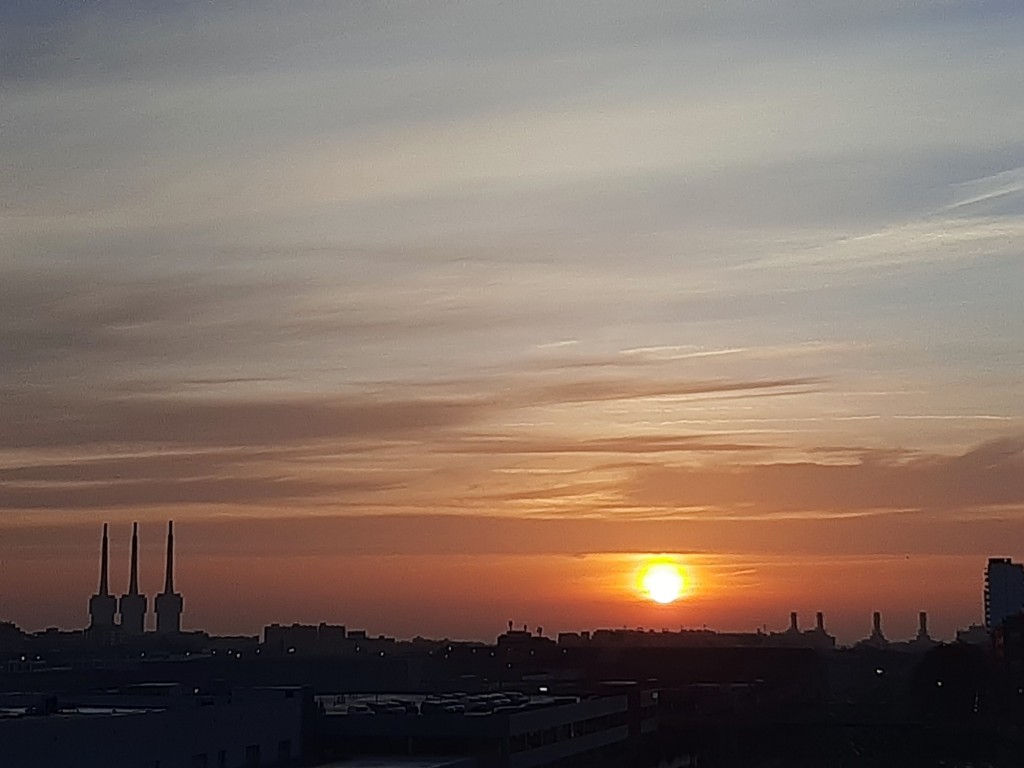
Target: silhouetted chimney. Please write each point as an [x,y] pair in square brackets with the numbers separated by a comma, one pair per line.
[169,575]
[133,578]
[168,603]
[819,621]
[922,625]
[102,605]
[133,604]
[793,623]
[104,562]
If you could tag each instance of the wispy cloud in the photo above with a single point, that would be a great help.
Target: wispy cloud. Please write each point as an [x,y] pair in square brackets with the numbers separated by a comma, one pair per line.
[596,261]
[986,478]
[197,423]
[1003,188]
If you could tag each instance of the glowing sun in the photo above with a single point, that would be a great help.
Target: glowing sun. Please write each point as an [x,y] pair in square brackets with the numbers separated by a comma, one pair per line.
[662,582]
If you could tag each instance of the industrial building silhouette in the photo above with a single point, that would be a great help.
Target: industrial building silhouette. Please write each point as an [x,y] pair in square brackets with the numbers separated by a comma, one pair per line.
[321,693]
[104,608]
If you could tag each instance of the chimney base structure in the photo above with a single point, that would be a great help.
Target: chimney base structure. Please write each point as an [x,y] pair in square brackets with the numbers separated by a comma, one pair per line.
[132,603]
[102,605]
[168,604]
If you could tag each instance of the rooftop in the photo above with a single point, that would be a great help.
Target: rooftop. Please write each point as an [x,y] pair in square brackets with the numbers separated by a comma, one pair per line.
[385,761]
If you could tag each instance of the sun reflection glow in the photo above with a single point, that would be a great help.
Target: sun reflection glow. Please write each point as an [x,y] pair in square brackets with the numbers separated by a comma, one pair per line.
[662,581]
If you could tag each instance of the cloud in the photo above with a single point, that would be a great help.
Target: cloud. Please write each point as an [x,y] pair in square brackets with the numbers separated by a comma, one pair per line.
[348,229]
[85,327]
[197,422]
[596,391]
[983,480]
[37,420]
[998,193]
[164,465]
[206,491]
[86,319]
[334,449]
[277,536]
[626,445]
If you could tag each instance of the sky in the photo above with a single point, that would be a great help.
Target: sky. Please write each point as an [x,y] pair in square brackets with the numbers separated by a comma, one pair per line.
[424,316]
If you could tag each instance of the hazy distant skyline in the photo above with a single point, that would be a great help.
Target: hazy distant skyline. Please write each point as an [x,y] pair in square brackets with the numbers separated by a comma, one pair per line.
[468,305]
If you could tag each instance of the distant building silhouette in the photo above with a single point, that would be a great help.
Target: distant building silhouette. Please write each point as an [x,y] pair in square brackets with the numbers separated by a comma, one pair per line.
[877,638]
[820,636]
[975,634]
[168,603]
[876,628]
[102,605]
[310,640]
[132,603]
[922,628]
[811,638]
[1004,590]
[922,641]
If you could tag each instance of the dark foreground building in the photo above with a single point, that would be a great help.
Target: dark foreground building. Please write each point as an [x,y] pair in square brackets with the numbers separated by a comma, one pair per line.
[490,730]
[153,726]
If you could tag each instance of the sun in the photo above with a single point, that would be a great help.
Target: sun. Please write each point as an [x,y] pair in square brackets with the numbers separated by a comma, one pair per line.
[662,581]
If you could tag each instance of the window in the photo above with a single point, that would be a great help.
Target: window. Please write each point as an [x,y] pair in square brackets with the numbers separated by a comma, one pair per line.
[252,755]
[222,759]
[284,749]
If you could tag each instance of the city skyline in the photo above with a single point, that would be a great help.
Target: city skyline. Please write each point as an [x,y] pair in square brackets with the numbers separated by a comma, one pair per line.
[125,619]
[434,315]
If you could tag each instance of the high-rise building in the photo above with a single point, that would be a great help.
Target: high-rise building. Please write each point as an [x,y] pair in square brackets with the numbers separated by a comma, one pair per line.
[132,603]
[1004,590]
[168,603]
[102,605]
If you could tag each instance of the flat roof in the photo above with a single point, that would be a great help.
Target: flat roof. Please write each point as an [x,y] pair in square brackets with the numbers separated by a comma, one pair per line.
[390,761]
[76,712]
[339,703]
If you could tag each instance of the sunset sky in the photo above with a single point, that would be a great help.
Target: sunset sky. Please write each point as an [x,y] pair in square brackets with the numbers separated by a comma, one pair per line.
[422,316]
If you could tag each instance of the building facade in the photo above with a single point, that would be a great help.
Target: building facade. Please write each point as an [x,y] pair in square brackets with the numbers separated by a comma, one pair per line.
[1004,590]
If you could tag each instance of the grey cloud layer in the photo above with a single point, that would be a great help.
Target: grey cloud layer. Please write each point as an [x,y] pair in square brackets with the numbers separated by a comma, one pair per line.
[364,224]
[155,99]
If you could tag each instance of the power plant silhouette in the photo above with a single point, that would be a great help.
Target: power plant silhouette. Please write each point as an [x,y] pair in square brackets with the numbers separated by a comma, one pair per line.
[132,607]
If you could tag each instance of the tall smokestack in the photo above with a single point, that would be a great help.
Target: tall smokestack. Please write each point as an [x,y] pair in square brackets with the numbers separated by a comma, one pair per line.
[133,605]
[104,561]
[103,605]
[169,576]
[793,623]
[922,625]
[819,621]
[133,579]
[168,603]
[877,638]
